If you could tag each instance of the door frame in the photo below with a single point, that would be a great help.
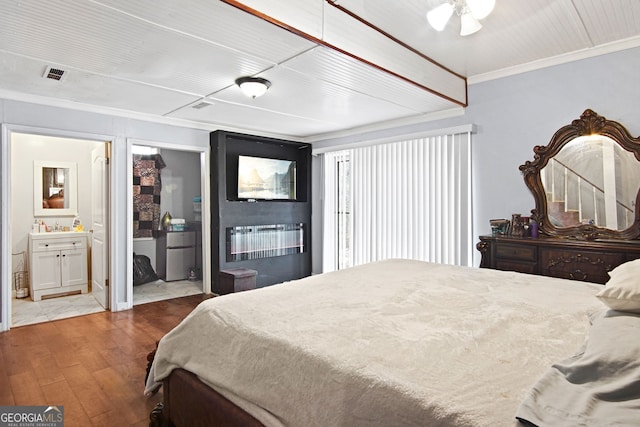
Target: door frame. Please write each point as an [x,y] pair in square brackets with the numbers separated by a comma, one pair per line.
[204,193]
[5,191]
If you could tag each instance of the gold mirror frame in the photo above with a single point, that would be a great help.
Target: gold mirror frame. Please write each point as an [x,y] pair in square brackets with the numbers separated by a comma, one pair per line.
[589,123]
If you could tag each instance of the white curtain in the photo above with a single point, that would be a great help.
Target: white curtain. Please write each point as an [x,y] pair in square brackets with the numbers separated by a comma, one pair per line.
[407,199]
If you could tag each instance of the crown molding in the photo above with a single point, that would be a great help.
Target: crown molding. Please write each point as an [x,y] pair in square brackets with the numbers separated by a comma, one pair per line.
[390,124]
[577,55]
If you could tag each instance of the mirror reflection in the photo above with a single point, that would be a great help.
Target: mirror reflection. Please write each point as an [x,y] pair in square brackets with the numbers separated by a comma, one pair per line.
[591,180]
[53,188]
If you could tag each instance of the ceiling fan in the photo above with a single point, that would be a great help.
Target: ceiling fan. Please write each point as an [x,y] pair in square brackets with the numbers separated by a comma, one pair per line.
[469,11]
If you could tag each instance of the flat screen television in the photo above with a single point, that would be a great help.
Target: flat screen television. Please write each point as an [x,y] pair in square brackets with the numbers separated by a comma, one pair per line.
[262,178]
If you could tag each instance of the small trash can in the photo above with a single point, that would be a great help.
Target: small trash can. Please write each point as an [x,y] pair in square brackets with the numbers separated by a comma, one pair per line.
[21,276]
[236,280]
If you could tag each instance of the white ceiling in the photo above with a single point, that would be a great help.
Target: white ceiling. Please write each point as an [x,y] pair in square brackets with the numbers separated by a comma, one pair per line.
[158,59]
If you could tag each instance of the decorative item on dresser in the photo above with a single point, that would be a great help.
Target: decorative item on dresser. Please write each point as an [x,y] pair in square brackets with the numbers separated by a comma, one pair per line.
[585,183]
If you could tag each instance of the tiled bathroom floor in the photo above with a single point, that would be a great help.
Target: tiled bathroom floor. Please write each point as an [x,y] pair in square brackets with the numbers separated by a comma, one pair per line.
[25,311]
[159,290]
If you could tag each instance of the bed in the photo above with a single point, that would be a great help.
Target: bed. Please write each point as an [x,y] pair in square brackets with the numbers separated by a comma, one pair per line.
[397,342]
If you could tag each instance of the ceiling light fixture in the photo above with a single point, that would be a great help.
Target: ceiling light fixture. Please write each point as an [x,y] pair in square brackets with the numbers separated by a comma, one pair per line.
[469,11]
[253,87]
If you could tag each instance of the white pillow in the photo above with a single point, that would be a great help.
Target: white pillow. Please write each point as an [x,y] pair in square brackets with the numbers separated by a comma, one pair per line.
[622,290]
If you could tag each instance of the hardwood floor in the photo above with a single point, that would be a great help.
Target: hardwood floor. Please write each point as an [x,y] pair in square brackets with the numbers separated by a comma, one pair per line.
[93,365]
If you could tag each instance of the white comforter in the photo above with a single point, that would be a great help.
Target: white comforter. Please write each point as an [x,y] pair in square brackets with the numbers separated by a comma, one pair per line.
[396,342]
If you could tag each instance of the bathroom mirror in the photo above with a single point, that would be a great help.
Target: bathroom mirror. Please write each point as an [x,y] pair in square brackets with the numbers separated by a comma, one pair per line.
[55,188]
[586,181]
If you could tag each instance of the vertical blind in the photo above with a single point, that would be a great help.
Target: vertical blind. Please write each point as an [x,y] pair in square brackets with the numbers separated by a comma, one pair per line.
[405,199]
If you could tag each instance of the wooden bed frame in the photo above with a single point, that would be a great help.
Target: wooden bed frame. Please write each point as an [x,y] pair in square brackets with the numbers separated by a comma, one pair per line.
[187,401]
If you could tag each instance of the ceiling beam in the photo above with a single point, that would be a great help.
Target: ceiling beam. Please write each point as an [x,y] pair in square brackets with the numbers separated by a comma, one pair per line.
[328,24]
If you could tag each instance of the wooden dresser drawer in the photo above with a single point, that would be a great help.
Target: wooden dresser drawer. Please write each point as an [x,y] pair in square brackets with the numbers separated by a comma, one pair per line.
[520,267]
[583,260]
[578,265]
[510,251]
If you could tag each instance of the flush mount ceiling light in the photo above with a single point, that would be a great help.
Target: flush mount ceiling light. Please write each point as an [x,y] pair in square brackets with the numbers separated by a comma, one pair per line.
[253,87]
[469,11]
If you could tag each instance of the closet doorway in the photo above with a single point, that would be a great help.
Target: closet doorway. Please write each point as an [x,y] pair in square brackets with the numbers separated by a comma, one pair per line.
[167,181]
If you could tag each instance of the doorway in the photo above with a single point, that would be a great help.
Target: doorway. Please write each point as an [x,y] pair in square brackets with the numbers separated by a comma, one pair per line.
[167,181]
[49,280]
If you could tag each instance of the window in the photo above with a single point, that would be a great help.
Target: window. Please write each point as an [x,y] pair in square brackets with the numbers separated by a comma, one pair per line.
[337,211]
[343,216]
[404,199]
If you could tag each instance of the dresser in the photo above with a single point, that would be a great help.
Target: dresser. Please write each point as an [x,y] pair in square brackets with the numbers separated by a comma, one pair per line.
[58,263]
[588,261]
[585,228]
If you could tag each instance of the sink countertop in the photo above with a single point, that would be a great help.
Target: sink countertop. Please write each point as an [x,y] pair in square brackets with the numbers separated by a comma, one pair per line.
[60,233]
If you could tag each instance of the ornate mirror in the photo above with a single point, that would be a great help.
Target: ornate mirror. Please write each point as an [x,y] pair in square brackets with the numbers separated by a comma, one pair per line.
[586,182]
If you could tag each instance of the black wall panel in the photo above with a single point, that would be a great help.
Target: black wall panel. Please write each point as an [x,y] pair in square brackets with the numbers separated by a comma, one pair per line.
[228,211]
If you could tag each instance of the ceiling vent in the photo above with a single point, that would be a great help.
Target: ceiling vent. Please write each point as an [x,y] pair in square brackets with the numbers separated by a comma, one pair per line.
[201,105]
[54,73]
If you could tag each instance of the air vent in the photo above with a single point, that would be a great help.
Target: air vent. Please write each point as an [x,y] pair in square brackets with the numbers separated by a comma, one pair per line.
[54,73]
[201,105]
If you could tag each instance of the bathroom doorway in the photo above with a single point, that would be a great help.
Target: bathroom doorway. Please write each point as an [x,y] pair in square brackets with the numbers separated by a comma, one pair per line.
[55,212]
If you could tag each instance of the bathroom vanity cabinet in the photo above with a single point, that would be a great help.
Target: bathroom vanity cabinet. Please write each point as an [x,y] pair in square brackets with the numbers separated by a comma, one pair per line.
[58,263]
